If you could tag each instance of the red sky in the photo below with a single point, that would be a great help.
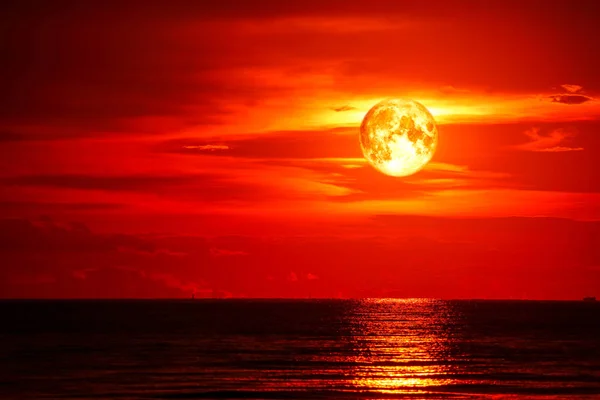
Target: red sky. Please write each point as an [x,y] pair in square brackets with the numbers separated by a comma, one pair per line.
[160,148]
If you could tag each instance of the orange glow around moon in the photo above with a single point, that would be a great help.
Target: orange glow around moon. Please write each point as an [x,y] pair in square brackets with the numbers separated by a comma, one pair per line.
[398,137]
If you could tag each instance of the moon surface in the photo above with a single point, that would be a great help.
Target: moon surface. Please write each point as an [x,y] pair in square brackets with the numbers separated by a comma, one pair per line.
[398,137]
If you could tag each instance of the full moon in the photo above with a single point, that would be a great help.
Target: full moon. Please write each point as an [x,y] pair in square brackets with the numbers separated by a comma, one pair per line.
[398,137]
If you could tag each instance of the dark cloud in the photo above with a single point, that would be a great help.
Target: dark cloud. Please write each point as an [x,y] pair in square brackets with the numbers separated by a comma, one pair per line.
[47,236]
[338,142]
[487,162]
[450,226]
[135,183]
[490,148]
[419,255]
[343,108]
[367,184]
[411,255]
[190,9]
[65,68]
[12,137]
[35,206]
[553,142]
[94,67]
[45,258]
[7,136]
[197,188]
[570,98]
[334,158]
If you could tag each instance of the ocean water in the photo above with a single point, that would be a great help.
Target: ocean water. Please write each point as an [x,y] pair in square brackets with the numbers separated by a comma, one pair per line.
[299,349]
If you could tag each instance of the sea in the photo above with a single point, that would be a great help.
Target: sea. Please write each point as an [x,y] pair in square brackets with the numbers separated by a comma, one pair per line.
[299,349]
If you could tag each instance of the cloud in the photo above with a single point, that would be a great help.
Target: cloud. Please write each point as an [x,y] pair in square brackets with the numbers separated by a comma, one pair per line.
[343,108]
[32,206]
[292,277]
[35,279]
[570,98]
[560,149]
[166,281]
[316,143]
[414,256]
[198,187]
[335,158]
[281,166]
[208,147]
[171,281]
[226,253]
[7,136]
[260,185]
[154,253]
[552,142]
[197,64]
[45,235]
[39,134]
[366,184]
[83,273]
[103,182]
[83,263]
[571,88]
[449,89]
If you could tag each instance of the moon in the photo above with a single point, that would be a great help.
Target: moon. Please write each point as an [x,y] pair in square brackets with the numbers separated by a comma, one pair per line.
[398,137]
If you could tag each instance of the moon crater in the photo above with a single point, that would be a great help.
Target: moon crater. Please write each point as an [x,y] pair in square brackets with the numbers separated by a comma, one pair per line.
[398,137]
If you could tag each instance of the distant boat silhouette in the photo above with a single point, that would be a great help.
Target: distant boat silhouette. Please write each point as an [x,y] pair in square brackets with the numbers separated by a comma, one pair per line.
[589,299]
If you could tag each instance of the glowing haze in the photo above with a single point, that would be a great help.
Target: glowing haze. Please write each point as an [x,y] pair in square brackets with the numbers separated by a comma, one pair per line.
[160,149]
